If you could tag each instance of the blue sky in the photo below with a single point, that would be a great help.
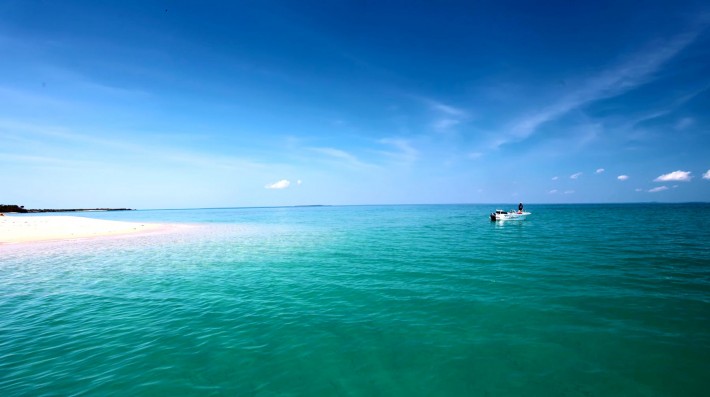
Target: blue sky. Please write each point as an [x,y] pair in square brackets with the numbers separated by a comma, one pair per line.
[178,104]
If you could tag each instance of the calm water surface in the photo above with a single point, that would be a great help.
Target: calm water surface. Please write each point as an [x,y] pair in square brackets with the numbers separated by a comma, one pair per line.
[586,300]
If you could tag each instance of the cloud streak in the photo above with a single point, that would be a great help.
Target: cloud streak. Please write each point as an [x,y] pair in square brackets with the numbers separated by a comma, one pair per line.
[446,109]
[445,124]
[636,71]
[447,116]
[341,157]
[64,139]
[404,152]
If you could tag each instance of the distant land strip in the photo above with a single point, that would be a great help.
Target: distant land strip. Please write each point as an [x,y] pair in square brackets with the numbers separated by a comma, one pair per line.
[21,209]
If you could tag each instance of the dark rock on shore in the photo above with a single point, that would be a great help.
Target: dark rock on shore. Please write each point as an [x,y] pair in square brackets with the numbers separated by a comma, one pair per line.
[12,208]
[21,209]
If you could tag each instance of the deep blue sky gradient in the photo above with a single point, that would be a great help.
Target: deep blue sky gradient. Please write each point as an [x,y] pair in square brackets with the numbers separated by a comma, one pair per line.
[179,104]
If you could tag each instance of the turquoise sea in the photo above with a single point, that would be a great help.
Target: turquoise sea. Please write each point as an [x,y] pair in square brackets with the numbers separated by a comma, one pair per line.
[432,300]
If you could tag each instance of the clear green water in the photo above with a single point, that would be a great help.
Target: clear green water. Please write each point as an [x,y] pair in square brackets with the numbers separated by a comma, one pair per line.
[592,300]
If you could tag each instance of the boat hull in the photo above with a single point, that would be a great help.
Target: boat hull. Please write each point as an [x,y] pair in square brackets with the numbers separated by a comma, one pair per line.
[509,216]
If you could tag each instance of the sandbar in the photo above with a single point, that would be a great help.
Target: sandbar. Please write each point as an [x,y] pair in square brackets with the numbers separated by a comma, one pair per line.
[25,229]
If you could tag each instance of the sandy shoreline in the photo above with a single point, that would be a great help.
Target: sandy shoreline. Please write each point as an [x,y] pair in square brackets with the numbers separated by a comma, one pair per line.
[25,229]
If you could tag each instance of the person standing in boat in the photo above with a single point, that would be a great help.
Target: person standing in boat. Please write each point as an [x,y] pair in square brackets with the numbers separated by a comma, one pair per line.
[520,208]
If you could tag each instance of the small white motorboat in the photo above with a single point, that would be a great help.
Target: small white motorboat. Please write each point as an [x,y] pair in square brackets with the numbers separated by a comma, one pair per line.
[501,215]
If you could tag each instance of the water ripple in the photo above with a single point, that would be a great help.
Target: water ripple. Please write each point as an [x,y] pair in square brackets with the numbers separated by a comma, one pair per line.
[415,300]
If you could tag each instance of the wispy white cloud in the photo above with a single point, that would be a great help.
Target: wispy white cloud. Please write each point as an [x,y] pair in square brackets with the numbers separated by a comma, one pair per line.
[404,152]
[341,156]
[447,117]
[668,109]
[706,175]
[622,177]
[208,161]
[682,176]
[113,91]
[635,71]
[569,191]
[638,189]
[33,159]
[575,175]
[32,98]
[63,134]
[445,124]
[67,140]
[553,191]
[554,178]
[475,155]
[446,109]
[684,123]
[53,161]
[599,170]
[82,87]
[282,184]
[658,189]
[336,153]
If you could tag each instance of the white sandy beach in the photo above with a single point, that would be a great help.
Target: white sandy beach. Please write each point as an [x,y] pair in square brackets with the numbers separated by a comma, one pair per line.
[23,229]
